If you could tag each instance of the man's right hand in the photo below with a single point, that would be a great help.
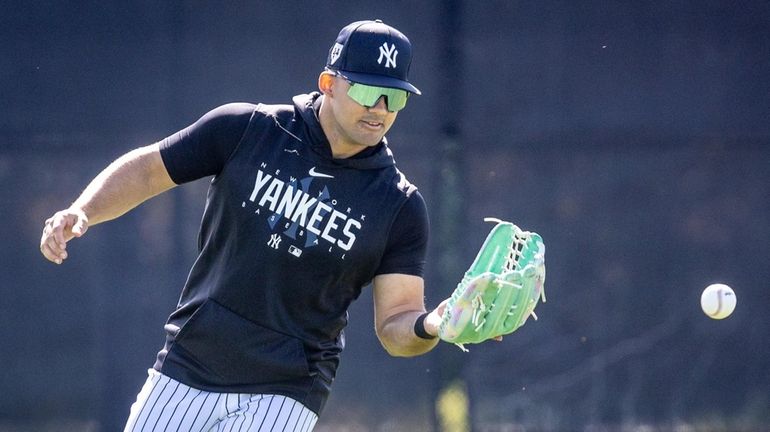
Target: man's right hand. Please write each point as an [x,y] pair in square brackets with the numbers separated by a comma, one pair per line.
[60,228]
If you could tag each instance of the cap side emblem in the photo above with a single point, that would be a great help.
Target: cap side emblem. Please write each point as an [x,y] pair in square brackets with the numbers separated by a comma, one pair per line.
[335,54]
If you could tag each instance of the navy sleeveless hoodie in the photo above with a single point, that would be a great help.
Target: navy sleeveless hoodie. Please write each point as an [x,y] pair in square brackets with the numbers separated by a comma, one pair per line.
[289,237]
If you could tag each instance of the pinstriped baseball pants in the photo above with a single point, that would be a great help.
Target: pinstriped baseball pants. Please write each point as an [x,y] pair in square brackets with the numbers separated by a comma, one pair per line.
[165,404]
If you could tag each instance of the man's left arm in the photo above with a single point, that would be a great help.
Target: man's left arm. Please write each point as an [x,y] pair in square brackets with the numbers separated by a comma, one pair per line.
[398,302]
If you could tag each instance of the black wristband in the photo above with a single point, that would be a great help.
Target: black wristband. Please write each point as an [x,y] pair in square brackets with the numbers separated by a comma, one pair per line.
[419,328]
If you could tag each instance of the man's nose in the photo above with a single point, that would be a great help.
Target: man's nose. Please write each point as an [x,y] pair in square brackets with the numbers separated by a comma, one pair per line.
[380,105]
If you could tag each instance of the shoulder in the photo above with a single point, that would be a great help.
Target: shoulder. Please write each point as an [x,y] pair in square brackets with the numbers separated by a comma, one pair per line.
[274,110]
[231,116]
[231,111]
[404,185]
[414,205]
[239,116]
[412,201]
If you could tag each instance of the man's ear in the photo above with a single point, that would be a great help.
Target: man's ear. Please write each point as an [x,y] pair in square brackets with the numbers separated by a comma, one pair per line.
[326,83]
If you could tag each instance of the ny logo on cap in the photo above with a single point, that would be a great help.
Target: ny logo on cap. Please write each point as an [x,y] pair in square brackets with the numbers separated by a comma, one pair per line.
[389,54]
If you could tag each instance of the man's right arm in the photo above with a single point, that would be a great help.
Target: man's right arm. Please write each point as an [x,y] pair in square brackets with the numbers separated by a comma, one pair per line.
[127,182]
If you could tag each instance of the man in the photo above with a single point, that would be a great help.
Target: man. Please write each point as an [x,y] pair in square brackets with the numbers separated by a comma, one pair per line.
[305,208]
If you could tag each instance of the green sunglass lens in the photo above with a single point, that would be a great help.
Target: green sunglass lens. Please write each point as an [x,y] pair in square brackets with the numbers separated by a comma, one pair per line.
[369,95]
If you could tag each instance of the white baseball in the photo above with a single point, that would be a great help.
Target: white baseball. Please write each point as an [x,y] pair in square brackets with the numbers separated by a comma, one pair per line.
[718,301]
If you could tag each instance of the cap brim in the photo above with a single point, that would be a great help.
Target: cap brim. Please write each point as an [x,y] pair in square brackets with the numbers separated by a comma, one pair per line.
[380,80]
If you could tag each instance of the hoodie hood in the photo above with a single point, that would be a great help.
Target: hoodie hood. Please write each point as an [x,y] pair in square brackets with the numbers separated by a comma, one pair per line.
[307,106]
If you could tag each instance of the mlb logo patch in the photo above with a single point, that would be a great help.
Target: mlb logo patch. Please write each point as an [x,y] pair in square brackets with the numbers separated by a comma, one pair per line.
[295,251]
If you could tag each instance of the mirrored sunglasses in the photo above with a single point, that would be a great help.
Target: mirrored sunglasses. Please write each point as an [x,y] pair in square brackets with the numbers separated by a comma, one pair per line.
[366,95]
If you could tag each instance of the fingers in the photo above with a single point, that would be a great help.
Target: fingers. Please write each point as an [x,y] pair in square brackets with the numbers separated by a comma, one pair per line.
[80,227]
[431,323]
[52,255]
[49,247]
[58,230]
[441,307]
[58,225]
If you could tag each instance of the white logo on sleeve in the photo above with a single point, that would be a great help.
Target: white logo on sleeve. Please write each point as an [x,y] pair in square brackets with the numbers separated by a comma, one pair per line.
[315,173]
[389,54]
[335,54]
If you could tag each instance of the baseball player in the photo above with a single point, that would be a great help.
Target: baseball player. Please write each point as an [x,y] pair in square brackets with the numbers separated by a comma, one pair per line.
[305,208]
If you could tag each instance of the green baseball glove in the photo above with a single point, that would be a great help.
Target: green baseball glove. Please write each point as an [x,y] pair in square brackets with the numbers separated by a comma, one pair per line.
[500,290]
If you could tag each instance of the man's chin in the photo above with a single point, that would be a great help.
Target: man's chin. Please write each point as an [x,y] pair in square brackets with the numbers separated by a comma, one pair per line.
[370,141]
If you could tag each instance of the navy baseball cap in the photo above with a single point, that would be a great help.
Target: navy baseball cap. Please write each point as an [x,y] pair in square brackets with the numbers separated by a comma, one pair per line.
[373,53]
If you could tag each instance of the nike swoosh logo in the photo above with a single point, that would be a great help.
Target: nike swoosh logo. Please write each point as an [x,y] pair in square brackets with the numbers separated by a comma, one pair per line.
[315,173]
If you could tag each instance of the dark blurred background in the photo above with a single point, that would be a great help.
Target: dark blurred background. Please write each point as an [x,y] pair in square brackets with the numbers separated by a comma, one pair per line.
[634,136]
